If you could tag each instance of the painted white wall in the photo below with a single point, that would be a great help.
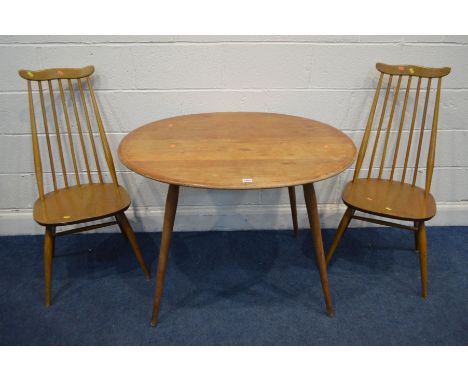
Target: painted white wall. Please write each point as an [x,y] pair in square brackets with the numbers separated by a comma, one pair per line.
[144,78]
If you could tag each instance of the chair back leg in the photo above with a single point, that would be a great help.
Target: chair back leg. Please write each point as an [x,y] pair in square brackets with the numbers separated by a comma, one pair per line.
[344,223]
[128,233]
[49,241]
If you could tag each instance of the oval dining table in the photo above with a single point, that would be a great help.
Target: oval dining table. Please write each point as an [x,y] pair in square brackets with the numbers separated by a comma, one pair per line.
[238,151]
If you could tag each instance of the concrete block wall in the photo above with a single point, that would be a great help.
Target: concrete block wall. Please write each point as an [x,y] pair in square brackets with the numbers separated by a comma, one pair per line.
[143,78]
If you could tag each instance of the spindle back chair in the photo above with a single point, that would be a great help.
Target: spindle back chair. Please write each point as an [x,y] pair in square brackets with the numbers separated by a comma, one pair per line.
[72,133]
[389,195]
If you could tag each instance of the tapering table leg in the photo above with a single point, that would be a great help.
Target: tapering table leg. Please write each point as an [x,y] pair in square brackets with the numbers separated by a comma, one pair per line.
[312,212]
[292,202]
[169,216]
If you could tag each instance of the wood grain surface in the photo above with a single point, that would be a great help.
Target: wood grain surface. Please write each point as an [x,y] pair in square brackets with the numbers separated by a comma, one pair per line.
[237,150]
[79,204]
[390,199]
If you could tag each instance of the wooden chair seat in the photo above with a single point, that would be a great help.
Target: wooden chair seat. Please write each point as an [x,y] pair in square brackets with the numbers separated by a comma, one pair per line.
[391,199]
[80,204]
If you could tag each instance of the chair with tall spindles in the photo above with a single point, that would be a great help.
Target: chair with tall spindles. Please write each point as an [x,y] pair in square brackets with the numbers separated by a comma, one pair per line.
[381,191]
[73,161]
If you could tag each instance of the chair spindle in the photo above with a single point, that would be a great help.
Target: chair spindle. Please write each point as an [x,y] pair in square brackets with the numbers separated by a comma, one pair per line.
[379,128]
[80,132]
[35,144]
[402,121]
[105,144]
[46,128]
[70,138]
[389,126]
[432,145]
[370,121]
[410,138]
[57,133]
[90,131]
[421,131]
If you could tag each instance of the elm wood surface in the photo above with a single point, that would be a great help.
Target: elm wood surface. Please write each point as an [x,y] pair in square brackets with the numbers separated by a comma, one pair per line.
[79,204]
[397,197]
[391,199]
[238,151]
[79,198]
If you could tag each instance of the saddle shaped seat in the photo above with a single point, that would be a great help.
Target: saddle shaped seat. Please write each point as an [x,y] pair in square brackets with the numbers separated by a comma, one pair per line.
[80,204]
[391,199]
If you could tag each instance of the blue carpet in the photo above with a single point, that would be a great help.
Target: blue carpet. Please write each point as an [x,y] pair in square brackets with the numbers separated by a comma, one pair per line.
[237,288]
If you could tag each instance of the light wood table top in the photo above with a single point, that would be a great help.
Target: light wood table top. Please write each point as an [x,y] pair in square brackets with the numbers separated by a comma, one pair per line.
[237,150]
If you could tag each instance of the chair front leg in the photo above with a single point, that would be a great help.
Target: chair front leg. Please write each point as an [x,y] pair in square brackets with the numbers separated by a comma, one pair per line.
[422,244]
[49,241]
[416,244]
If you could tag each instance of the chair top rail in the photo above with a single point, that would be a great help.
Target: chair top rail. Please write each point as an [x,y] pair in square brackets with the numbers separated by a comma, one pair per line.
[412,70]
[56,73]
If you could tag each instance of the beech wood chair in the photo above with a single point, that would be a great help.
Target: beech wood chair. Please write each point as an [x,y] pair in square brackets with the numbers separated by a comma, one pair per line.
[391,196]
[75,198]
